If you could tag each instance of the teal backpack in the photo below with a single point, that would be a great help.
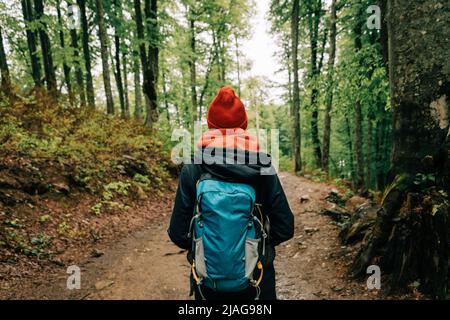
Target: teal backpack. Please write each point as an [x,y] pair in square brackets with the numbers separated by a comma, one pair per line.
[228,236]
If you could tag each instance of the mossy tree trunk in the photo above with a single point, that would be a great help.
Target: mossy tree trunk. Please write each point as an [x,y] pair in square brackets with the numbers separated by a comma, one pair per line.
[410,239]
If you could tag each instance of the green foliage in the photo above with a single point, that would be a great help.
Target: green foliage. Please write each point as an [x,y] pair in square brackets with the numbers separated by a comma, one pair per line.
[286,163]
[111,191]
[424,179]
[318,175]
[35,247]
[44,218]
[118,187]
[63,228]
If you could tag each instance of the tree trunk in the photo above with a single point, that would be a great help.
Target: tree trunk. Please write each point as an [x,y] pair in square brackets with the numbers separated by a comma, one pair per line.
[379,165]
[117,47]
[66,68]
[78,71]
[314,16]
[49,69]
[27,12]
[5,85]
[289,73]
[118,74]
[359,183]
[166,102]
[350,148]
[196,116]
[369,152]
[149,63]
[103,36]
[142,48]
[150,92]
[238,65]
[296,133]
[137,90]
[211,61]
[87,55]
[329,90]
[410,236]
[125,83]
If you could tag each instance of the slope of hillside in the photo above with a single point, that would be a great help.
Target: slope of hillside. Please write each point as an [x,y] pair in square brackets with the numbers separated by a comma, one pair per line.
[70,181]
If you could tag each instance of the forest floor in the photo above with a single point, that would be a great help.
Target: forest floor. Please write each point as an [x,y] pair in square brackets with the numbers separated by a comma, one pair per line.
[144,264]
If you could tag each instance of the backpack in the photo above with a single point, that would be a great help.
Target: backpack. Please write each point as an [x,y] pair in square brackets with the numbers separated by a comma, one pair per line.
[228,239]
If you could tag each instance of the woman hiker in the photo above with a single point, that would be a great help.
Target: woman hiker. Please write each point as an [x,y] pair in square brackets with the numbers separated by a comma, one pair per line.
[230,209]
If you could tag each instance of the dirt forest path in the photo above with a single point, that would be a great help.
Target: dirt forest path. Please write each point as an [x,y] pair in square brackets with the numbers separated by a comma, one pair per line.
[147,265]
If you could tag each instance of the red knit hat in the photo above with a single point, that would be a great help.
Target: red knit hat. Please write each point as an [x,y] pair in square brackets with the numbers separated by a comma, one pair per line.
[227,111]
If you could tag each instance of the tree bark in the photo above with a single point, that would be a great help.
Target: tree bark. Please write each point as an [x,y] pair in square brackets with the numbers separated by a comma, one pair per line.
[125,83]
[78,70]
[66,68]
[117,47]
[6,79]
[103,36]
[196,116]
[350,148]
[296,133]
[369,152]
[87,55]
[329,90]
[359,183]
[166,101]
[137,90]
[149,58]
[410,236]
[28,16]
[314,16]
[151,81]
[49,69]
[379,165]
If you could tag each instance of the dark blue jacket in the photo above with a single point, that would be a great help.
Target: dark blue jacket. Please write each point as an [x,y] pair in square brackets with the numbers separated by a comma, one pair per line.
[269,193]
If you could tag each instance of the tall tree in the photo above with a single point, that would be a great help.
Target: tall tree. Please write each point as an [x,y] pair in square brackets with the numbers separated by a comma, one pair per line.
[137,87]
[46,48]
[149,57]
[314,18]
[103,36]
[410,236]
[358,112]
[6,79]
[27,11]
[117,46]
[66,68]
[330,89]
[77,63]
[192,63]
[125,82]
[296,133]
[86,54]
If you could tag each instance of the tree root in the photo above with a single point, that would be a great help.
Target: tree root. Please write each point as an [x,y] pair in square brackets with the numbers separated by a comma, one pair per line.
[409,240]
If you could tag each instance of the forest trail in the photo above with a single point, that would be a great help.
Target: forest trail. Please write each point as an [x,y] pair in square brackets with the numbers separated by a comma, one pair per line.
[146,265]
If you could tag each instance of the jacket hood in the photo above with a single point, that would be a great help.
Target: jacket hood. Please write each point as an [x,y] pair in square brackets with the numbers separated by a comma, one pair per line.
[232,164]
